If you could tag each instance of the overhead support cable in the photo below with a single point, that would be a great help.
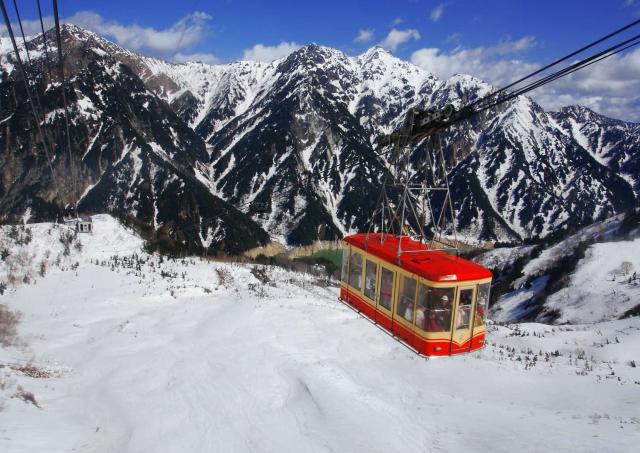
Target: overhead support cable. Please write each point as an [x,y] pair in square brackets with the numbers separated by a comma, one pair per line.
[23,74]
[44,40]
[613,50]
[64,96]
[24,40]
[565,58]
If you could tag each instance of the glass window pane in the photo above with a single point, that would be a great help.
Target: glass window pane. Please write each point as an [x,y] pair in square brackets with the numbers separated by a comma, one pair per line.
[386,288]
[406,298]
[463,314]
[355,271]
[422,306]
[439,302]
[481,304]
[370,280]
[345,264]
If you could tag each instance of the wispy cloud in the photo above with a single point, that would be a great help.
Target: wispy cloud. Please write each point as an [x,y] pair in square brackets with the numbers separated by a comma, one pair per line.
[397,37]
[365,35]
[201,57]
[454,37]
[482,62]
[185,33]
[260,52]
[436,13]
[611,88]
[395,22]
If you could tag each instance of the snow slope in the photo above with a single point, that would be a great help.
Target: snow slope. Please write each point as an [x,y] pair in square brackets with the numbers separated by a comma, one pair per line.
[151,354]
[601,287]
[562,285]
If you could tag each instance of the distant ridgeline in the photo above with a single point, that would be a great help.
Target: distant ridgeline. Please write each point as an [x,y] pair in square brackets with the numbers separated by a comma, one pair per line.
[223,158]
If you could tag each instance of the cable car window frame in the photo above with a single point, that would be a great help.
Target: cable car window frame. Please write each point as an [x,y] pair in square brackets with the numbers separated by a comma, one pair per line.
[368,278]
[484,305]
[432,312]
[401,294]
[381,291]
[346,252]
[459,312]
[351,268]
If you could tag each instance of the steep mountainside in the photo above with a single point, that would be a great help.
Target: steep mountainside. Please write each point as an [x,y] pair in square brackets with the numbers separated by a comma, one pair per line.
[131,154]
[613,143]
[290,144]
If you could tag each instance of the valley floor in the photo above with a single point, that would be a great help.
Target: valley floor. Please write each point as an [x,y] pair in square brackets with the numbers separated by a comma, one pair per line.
[188,355]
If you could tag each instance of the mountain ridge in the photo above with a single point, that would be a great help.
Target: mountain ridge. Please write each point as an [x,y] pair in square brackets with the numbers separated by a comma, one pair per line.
[296,135]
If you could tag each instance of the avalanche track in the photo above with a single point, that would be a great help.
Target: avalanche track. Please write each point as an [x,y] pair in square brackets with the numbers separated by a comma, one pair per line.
[151,354]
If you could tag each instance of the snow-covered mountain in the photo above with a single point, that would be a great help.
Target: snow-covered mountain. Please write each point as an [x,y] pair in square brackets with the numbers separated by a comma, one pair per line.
[613,143]
[130,154]
[290,143]
[590,276]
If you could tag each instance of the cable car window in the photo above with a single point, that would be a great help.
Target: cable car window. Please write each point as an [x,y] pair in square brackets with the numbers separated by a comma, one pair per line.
[386,288]
[370,280]
[355,271]
[463,315]
[406,298]
[345,265]
[438,308]
[481,304]
[422,306]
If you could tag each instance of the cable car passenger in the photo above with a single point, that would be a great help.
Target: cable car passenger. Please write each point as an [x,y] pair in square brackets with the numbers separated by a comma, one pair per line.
[440,315]
[423,304]
[386,288]
[407,298]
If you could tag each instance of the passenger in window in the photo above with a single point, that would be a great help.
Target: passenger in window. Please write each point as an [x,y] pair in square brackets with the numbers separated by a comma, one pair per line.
[421,315]
[439,318]
[386,288]
[463,314]
[408,312]
[422,310]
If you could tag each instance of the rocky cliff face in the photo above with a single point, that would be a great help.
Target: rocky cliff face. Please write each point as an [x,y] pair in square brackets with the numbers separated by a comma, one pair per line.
[131,154]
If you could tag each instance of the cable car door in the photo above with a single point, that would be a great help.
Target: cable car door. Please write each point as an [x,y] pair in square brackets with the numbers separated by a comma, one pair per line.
[462,314]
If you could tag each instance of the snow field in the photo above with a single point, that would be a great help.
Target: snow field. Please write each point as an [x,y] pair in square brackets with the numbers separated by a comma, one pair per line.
[151,354]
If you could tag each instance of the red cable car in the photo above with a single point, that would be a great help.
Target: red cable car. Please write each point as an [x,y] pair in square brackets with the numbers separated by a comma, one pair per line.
[434,302]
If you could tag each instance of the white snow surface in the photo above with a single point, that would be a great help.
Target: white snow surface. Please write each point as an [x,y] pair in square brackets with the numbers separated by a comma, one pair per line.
[600,288]
[208,359]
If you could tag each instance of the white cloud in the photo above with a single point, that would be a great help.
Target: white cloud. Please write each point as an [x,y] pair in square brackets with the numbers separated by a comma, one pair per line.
[480,62]
[260,52]
[436,13]
[611,87]
[185,33]
[397,37]
[395,22]
[31,27]
[202,57]
[365,35]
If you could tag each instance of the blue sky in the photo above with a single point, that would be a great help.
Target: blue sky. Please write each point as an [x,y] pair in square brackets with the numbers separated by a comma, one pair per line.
[492,39]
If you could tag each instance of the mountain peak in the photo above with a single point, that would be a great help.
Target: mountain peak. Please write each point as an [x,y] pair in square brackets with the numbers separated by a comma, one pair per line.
[375,52]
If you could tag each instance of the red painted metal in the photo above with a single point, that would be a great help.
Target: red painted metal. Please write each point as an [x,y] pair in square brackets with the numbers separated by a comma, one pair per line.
[434,265]
[423,346]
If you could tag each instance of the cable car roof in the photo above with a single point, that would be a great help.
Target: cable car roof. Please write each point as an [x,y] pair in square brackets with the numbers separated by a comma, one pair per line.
[434,265]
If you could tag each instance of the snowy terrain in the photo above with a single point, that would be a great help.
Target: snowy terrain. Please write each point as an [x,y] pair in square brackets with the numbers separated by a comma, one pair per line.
[124,351]
[601,287]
